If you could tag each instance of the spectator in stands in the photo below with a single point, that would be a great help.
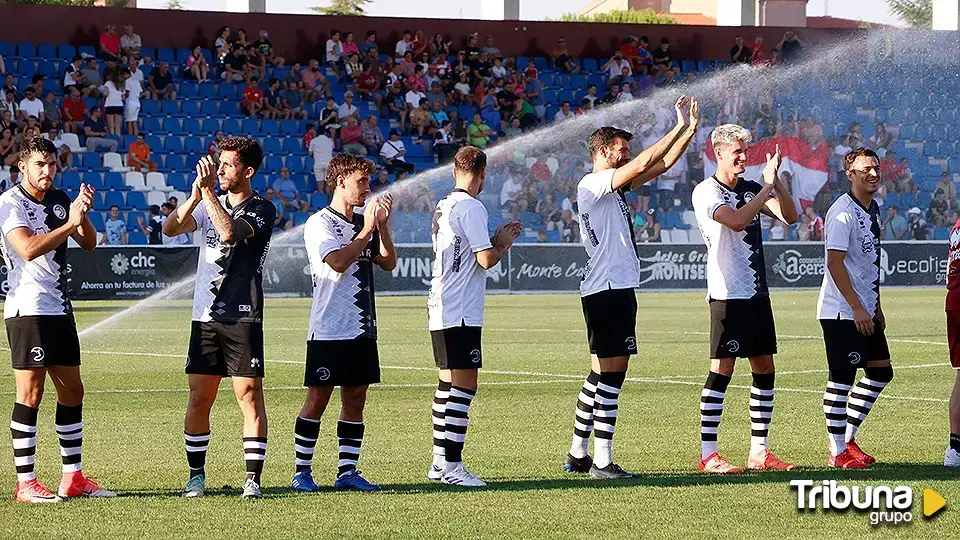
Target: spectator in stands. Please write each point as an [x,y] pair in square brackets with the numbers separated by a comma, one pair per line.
[351,137]
[569,228]
[74,111]
[352,68]
[7,156]
[946,185]
[420,121]
[814,224]
[196,66]
[334,53]
[138,157]
[110,44]
[626,92]
[437,95]
[64,154]
[941,208]
[758,52]
[161,82]
[412,100]
[889,168]
[564,113]
[256,64]
[904,181]
[405,44]
[314,83]
[562,61]
[253,99]
[397,105]
[154,227]
[30,106]
[650,232]
[321,150]
[372,135]
[511,194]
[480,133]
[73,77]
[882,140]
[615,66]
[774,59]
[266,50]
[347,109]
[549,211]
[114,93]
[3,65]
[51,113]
[133,90]
[213,148]
[393,154]
[115,229]
[811,132]
[662,59]
[234,66]
[95,128]
[894,226]
[444,144]
[328,115]
[533,93]
[855,135]
[241,40]
[369,43]
[790,47]
[367,85]
[272,108]
[917,226]
[130,42]
[740,53]
[291,100]
[286,190]
[437,115]
[222,43]
[282,222]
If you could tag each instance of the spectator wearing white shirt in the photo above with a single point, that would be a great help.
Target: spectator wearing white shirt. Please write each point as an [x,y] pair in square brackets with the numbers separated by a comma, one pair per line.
[510,194]
[614,67]
[413,98]
[393,153]
[564,113]
[130,42]
[334,52]
[64,155]
[73,76]
[404,45]
[131,105]
[347,109]
[626,93]
[31,106]
[321,150]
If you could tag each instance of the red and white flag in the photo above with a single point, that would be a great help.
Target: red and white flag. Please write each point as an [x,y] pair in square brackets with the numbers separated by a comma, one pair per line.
[807,166]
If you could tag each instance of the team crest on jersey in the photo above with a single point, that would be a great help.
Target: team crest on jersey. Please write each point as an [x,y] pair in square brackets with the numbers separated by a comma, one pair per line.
[59,211]
[747,197]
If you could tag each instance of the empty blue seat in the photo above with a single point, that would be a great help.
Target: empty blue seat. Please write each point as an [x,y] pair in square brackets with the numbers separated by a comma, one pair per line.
[688,65]
[250,127]
[540,63]
[193,145]
[270,127]
[289,127]
[90,161]
[111,198]
[293,145]
[114,181]
[149,107]
[70,180]
[189,109]
[231,127]
[6,49]
[136,238]
[150,53]
[211,125]
[192,126]
[178,182]
[86,50]
[96,218]
[318,200]
[46,50]
[227,91]
[182,55]
[169,106]
[210,108]
[295,164]
[590,65]
[259,183]
[133,224]
[165,55]
[66,52]
[171,126]
[175,162]
[173,145]
[153,141]
[137,199]
[271,146]
[207,90]
[272,164]
[27,50]
[299,218]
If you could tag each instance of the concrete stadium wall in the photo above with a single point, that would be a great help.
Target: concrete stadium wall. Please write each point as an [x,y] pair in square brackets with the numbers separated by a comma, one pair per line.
[301,37]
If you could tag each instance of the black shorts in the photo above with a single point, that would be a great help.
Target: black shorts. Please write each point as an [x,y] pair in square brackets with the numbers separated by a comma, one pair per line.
[42,341]
[225,349]
[742,328]
[847,348]
[347,362]
[457,347]
[113,110]
[611,318]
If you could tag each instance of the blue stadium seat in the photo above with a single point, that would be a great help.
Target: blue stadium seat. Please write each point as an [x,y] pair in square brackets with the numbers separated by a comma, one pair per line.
[688,65]
[189,108]
[192,126]
[66,52]
[540,63]
[193,145]
[318,200]
[165,55]
[149,107]
[90,161]
[96,218]
[46,50]
[250,127]
[149,52]
[86,50]
[231,127]
[27,50]
[182,54]
[299,218]
[227,91]
[295,164]
[111,198]
[153,141]
[171,126]
[132,223]
[259,183]
[92,178]
[272,164]
[289,127]
[114,181]
[211,125]
[7,50]
[27,69]
[304,183]
[941,233]
[137,199]
[293,145]
[49,69]
[210,109]
[270,127]
[578,81]
[175,162]
[271,146]
[207,90]
[178,182]
[170,106]
[590,65]
[191,162]
[70,180]
[173,145]
[136,238]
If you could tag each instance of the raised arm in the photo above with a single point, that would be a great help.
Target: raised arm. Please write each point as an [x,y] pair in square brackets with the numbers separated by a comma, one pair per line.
[740,218]
[651,156]
[30,246]
[676,151]
[341,259]
[387,258]
[181,220]
[502,240]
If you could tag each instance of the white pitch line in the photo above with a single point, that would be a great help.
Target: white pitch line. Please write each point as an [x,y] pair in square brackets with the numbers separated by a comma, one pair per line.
[810,371]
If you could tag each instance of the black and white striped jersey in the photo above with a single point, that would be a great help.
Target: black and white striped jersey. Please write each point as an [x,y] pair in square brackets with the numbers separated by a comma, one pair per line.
[343,303]
[37,287]
[735,267]
[230,277]
[459,285]
[607,233]
[854,229]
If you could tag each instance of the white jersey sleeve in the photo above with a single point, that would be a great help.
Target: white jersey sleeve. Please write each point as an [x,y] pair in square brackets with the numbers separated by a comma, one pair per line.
[11,217]
[321,234]
[707,199]
[837,230]
[595,185]
[200,215]
[473,221]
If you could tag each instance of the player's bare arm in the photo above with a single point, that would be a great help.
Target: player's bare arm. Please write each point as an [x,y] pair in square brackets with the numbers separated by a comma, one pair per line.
[676,151]
[653,155]
[343,258]
[230,230]
[781,206]
[30,246]
[181,220]
[86,235]
[841,277]
[387,258]
[740,218]
[502,240]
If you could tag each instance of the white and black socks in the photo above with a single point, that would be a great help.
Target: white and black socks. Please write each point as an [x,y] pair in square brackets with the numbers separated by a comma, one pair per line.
[864,395]
[605,408]
[305,434]
[196,445]
[456,419]
[761,410]
[23,429]
[711,410]
[439,414]
[583,421]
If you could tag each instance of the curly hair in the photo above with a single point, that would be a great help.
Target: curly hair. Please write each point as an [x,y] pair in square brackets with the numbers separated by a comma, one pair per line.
[344,164]
[605,137]
[851,156]
[470,160]
[248,150]
[36,145]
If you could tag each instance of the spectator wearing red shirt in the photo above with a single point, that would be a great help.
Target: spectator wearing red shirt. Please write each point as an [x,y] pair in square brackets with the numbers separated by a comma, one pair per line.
[814,225]
[889,168]
[110,44]
[309,135]
[351,137]
[252,98]
[314,83]
[758,52]
[367,85]
[74,111]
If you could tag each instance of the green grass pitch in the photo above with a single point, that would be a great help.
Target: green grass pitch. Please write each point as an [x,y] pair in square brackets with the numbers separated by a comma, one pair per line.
[535,359]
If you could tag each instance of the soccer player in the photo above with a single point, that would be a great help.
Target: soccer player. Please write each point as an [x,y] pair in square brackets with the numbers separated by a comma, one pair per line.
[343,244]
[226,335]
[952,456]
[741,318]
[613,272]
[36,220]
[462,254]
[849,310]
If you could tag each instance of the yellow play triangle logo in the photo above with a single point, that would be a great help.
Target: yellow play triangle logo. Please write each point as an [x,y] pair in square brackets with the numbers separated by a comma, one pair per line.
[933,502]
